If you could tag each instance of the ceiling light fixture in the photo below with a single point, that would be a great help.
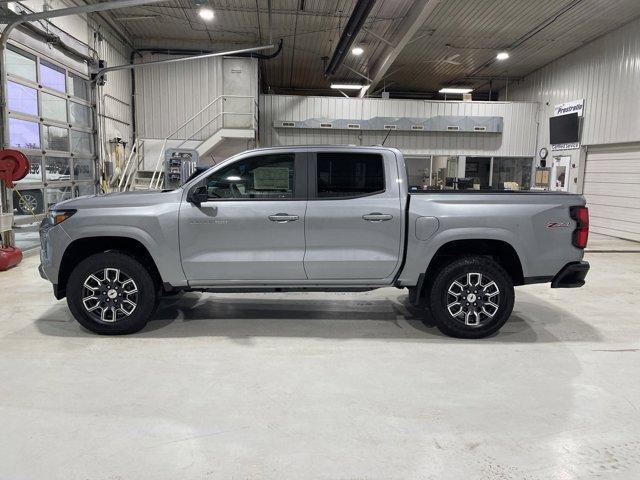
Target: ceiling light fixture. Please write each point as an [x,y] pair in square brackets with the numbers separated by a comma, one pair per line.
[206,13]
[459,90]
[357,51]
[502,55]
[346,86]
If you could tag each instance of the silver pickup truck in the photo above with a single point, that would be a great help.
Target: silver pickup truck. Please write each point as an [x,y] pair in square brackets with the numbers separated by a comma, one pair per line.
[312,219]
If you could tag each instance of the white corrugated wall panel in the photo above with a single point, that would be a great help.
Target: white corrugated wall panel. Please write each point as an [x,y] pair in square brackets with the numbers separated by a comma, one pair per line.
[612,190]
[606,73]
[169,94]
[517,139]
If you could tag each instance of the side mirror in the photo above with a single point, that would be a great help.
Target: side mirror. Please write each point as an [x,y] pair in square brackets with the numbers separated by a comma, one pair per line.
[198,195]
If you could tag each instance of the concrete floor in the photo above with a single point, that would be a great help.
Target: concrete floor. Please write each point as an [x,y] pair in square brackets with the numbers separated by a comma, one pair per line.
[328,386]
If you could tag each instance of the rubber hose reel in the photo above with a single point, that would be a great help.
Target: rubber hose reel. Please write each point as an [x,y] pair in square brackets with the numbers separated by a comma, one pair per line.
[14,166]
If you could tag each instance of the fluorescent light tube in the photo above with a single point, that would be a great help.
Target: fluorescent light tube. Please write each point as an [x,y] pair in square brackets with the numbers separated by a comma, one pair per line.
[456,90]
[346,86]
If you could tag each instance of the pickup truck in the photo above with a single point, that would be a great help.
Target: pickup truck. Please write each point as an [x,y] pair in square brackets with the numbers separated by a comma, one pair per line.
[312,219]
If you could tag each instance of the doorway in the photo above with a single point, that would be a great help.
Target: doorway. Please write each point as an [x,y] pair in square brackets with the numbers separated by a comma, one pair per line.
[479,169]
[560,173]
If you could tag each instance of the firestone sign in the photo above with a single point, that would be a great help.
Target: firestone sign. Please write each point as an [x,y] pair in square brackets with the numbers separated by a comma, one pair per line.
[575,106]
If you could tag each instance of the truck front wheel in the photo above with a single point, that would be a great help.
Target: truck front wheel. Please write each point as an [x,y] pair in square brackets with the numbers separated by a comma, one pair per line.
[111,293]
[471,297]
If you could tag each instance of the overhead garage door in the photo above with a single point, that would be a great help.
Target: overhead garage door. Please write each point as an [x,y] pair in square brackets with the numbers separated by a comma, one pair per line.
[612,190]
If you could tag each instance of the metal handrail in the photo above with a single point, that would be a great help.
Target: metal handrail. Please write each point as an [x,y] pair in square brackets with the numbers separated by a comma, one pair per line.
[221,114]
[127,171]
[156,177]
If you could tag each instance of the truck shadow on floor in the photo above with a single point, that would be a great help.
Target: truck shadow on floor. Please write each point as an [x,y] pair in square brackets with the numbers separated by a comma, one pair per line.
[341,317]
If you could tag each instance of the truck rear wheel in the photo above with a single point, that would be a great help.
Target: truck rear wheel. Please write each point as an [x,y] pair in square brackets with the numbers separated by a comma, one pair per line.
[111,293]
[471,297]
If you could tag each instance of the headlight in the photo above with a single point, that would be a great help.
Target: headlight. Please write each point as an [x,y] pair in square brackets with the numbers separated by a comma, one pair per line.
[59,216]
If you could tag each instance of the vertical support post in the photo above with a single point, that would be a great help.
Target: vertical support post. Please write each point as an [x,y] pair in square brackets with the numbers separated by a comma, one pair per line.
[6,198]
[491,172]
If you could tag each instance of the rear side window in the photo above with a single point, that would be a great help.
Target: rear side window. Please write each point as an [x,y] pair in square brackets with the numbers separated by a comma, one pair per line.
[344,175]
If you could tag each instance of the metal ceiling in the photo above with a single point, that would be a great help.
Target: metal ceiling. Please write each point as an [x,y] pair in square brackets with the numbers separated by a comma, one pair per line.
[455,45]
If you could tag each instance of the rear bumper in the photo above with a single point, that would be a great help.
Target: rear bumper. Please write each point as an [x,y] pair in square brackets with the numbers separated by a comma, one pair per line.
[571,276]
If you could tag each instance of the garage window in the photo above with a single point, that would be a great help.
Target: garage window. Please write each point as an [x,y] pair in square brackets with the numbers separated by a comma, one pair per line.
[20,63]
[22,99]
[52,76]
[24,134]
[55,138]
[38,115]
[54,107]
[80,115]
[81,142]
[348,175]
[79,87]
[57,169]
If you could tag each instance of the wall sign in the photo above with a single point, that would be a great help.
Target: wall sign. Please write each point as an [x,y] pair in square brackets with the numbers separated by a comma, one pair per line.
[575,106]
[565,146]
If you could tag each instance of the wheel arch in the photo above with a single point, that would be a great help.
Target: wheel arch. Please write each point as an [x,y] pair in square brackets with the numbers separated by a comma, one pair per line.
[499,250]
[84,247]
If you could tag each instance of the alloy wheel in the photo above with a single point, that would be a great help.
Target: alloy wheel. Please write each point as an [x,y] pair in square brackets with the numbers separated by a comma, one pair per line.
[109,295]
[473,299]
[28,203]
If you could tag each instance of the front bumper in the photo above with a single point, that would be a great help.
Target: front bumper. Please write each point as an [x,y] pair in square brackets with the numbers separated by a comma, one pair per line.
[571,276]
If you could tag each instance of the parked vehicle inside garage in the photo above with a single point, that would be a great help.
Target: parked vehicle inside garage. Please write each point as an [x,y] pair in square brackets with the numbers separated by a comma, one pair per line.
[312,219]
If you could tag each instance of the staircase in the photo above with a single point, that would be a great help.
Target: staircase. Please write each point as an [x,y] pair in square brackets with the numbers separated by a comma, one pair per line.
[226,117]
[132,166]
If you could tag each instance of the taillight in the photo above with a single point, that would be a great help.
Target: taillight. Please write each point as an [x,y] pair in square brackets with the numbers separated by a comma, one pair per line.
[581,233]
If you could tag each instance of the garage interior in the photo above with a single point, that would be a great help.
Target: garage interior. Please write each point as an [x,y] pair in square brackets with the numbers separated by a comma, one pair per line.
[102,96]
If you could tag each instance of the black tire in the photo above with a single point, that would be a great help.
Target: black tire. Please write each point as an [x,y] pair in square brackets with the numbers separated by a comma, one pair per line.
[29,201]
[117,320]
[471,321]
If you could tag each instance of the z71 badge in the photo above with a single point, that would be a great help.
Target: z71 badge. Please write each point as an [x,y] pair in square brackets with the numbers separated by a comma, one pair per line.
[559,225]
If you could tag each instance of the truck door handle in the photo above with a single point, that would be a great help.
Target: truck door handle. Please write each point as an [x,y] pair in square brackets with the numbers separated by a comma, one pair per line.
[377,217]
[283,218]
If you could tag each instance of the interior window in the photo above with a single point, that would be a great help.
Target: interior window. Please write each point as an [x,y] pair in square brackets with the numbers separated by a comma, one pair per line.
[267,176]
[349,174]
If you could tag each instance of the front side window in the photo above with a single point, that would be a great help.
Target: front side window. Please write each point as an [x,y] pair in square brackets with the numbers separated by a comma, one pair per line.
[263,177]
[343,175]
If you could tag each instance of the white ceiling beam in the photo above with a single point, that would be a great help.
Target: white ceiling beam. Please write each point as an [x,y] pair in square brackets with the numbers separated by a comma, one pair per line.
[415,18]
